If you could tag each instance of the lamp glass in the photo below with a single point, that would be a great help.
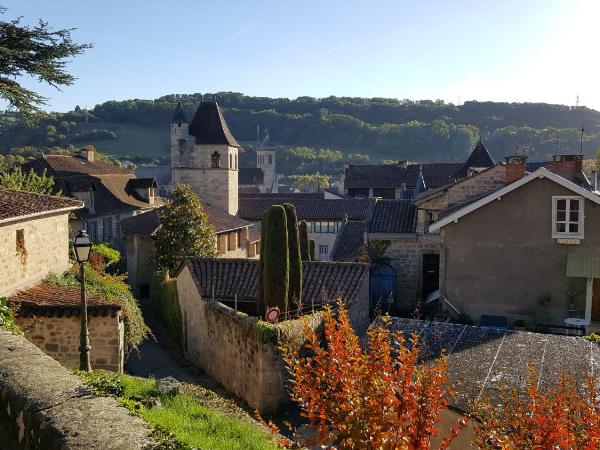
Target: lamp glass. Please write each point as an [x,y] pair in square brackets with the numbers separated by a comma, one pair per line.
[82,245]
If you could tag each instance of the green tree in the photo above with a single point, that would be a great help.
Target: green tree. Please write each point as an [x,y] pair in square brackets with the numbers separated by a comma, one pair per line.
[274,266]
[295,287]
[37,51]
[183,230]
[304,246]
[30,181]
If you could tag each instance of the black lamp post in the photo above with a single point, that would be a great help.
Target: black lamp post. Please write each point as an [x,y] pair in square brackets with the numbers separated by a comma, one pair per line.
[81,246]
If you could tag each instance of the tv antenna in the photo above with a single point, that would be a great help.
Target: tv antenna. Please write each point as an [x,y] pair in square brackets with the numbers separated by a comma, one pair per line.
[577,101]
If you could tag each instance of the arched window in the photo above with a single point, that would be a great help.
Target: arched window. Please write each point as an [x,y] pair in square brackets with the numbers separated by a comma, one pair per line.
[230,161]
[236,160]
[216,160]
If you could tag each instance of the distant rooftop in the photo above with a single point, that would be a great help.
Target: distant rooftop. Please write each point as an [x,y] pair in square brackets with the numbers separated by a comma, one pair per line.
[16,204]
[478,358]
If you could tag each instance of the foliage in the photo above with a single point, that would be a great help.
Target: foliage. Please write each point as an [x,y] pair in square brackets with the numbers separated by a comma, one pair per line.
[303,235]
[464,319]
[310,183]
[311,249]
[295,286]
[39,52]
[113,289]
[180,421]
[369,398]
[374,252]
[183,230]
[30,181]
[265,332]
[7,317]
[565,415]
[109,255]
[274,266]
[592,337]
[163,291]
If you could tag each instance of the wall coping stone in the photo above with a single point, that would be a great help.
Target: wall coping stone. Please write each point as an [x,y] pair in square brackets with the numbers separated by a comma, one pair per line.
[44,406]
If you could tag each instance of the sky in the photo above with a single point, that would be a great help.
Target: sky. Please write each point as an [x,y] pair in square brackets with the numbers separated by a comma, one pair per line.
[503,50]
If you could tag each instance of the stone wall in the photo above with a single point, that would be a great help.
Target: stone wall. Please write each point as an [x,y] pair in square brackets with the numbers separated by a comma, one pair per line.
[46,242]
[406,257]
[43,406]
[226,344]
[58,337]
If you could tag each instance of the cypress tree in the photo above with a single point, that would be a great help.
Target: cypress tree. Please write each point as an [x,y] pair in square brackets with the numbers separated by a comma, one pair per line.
[303,232]
[274,269]
[295,288]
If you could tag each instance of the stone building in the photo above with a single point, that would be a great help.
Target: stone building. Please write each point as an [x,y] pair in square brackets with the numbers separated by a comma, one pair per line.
[204,155]
[49,316]
[226,344]
[34,237]
[235,238]
[324,216]
[109,193]
[34,242]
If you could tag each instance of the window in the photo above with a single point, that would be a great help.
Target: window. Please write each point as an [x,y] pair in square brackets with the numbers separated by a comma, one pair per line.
[270,160]
[92,230]
[107,229]
[239,238]
[567,220]
[388,193]
[325,227]
[20,244]
[261,159]
[358,192]
[216,160]
[231,161]
[323,250]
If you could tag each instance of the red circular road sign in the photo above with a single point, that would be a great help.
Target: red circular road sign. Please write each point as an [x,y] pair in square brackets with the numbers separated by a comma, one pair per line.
[272,314]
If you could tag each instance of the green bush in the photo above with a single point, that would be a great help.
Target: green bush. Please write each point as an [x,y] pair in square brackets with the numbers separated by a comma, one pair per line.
[7,317]
[163,292]
[592,337]
[113,289]
[303,234]
[110,255]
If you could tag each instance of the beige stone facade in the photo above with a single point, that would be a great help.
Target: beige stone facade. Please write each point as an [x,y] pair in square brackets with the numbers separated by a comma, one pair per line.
[192,164]
[58,337]
[45,250]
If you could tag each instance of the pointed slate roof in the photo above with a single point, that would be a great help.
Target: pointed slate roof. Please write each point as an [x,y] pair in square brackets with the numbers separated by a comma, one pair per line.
[209,126]
[179,116]
[479,157]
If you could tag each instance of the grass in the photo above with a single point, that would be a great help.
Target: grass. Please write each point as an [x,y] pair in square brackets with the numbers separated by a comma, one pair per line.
[182,416]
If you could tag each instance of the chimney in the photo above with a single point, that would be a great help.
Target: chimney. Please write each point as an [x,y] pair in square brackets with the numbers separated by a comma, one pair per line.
[567,166]
[515,167]
[88,153]
[403,164]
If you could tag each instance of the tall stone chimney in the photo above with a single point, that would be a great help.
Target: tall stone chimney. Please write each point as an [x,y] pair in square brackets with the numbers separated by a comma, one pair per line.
[88,153]
[567,166]
[515,167]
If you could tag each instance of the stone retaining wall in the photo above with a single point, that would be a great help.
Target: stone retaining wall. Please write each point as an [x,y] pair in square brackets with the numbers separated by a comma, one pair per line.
[44,406]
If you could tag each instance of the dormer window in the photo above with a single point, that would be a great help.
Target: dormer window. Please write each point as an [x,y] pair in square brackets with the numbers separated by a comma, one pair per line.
[567,217]
[216,160]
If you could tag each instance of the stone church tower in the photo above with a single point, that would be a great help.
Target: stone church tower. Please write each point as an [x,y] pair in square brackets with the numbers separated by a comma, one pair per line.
[204,155]
[265,160]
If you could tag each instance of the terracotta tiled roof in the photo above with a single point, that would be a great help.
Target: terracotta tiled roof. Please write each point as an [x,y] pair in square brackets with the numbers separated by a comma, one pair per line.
[145,224]
[250,175]
[394,216]
[322,280]
[47,299]
[349,241]
[16,204]
[308,208]
[209,126]
[479,157]
[62,165]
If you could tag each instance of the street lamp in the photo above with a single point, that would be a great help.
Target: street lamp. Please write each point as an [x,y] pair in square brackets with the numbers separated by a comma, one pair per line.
[81,246]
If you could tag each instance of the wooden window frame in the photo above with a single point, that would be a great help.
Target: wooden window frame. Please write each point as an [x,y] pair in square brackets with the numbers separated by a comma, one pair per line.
[580,219]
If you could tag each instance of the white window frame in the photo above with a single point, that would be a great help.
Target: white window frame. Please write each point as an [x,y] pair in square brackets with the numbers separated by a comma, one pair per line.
[567,221]
[323,247]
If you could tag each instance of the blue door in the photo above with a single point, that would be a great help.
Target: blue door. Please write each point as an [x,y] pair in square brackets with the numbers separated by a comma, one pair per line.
[383,289]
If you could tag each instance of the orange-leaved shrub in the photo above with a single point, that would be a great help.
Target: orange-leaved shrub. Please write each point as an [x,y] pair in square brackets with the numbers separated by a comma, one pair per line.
[563,415]
[376,397]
